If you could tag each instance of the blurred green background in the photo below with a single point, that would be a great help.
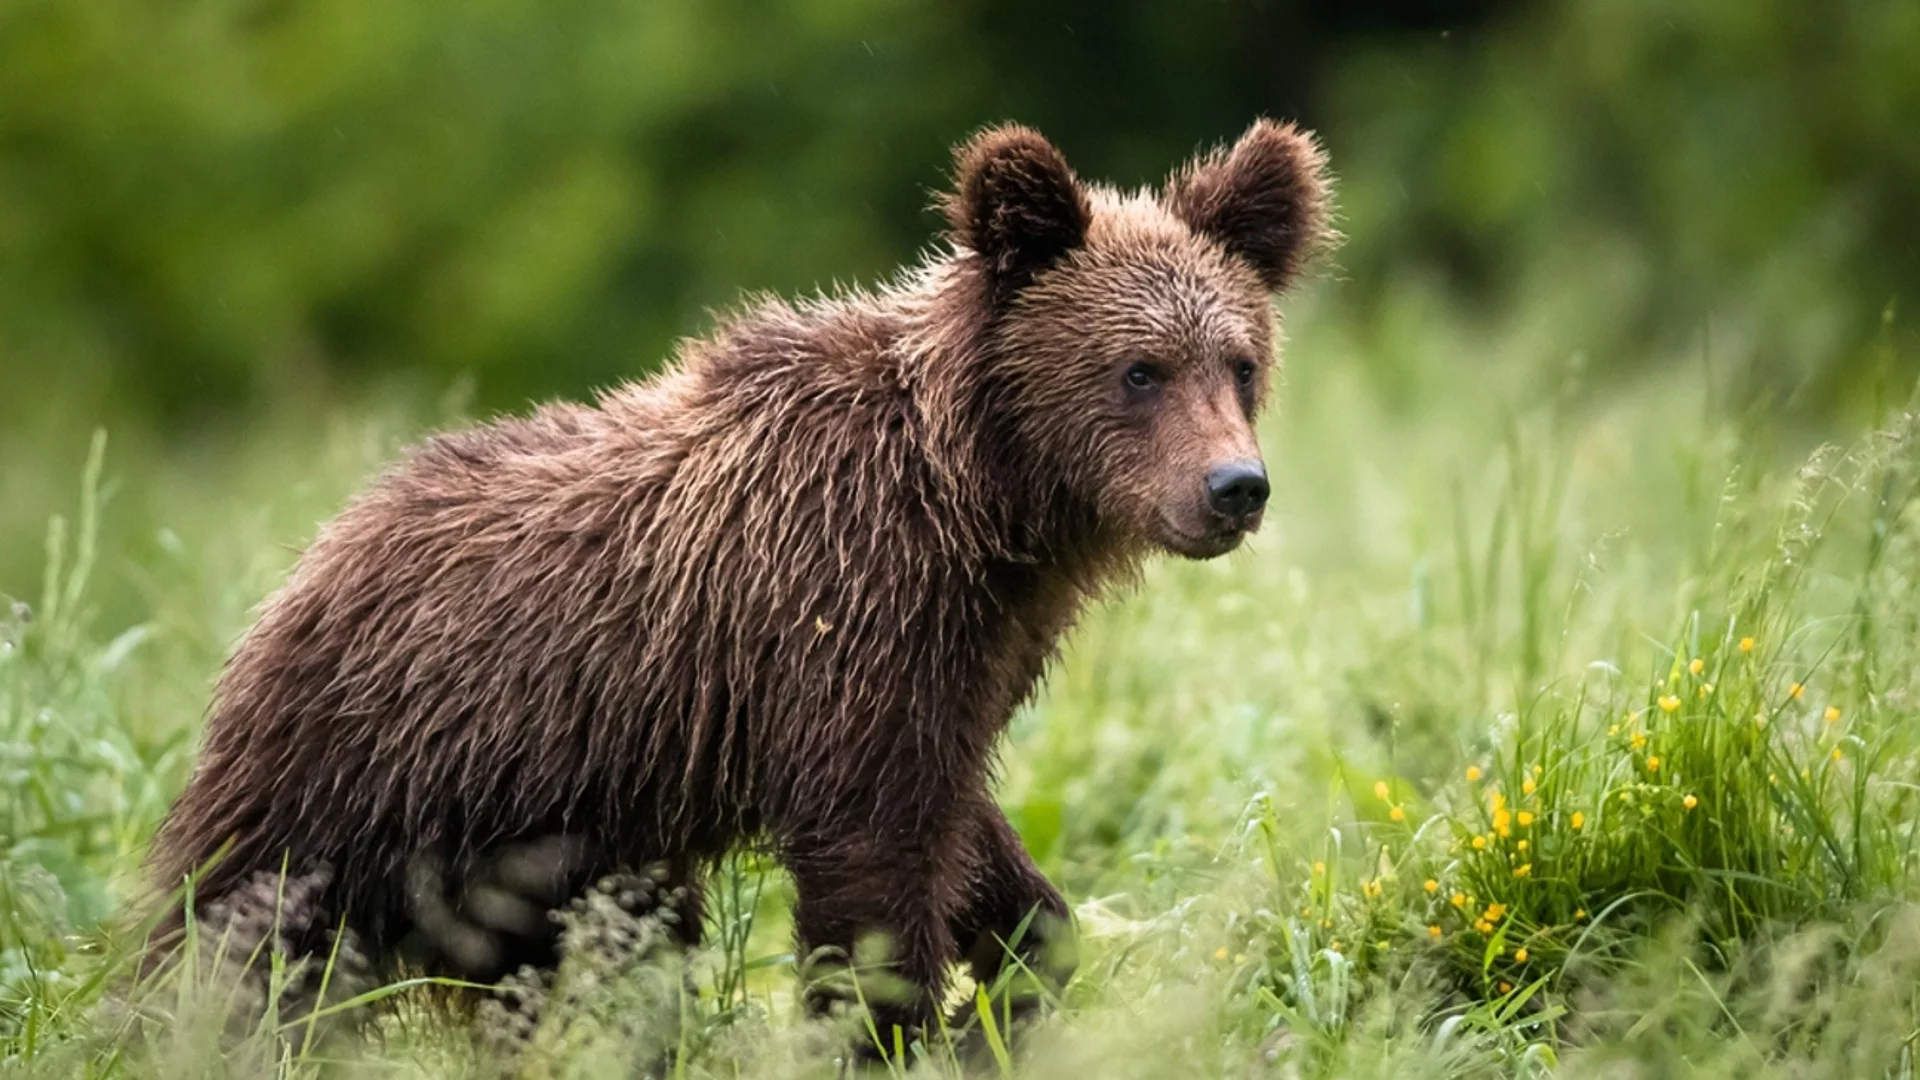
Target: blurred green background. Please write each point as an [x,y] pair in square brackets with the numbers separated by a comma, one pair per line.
[224,220]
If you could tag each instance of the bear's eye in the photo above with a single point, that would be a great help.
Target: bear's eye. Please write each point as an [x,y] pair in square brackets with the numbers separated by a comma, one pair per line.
[1243,372]
[1142,376]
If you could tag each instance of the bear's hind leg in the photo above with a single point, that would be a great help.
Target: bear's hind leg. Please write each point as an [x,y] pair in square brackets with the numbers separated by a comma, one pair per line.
[492,914]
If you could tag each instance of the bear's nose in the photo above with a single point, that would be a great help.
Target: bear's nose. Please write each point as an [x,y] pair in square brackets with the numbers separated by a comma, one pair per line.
[1237,489]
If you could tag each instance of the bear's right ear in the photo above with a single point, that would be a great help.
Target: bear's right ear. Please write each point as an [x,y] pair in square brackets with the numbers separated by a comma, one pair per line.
[1016,204]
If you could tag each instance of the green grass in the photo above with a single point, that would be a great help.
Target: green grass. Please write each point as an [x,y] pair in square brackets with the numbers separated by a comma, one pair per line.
[1670,648]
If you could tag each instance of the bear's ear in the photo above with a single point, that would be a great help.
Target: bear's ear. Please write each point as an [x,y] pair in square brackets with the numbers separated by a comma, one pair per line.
[1015,203]
[1265,200]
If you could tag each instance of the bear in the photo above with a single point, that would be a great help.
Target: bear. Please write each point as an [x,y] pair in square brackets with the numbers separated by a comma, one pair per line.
[787,591]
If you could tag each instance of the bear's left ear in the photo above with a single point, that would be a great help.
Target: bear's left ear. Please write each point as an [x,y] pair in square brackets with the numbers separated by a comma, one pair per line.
[1265,200]
[1016,204]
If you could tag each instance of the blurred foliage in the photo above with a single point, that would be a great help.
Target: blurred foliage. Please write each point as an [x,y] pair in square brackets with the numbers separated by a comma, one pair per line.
[1744,167]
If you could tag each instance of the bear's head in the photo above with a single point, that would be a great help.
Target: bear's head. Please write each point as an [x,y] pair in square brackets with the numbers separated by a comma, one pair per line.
[1131,335]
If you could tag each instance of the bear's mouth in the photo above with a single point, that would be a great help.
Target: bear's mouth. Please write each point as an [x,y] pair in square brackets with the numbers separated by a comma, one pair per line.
[1225,535]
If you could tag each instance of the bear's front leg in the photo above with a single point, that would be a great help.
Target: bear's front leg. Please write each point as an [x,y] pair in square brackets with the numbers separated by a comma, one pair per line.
[872,922]
[1013,927]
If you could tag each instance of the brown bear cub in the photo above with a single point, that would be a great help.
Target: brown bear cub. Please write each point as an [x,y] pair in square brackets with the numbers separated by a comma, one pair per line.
[789,591]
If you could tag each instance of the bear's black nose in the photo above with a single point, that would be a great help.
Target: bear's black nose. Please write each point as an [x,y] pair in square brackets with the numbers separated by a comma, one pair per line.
[1237,489]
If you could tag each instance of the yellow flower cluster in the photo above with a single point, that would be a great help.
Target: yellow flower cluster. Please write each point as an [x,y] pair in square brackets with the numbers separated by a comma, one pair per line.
[1527,822]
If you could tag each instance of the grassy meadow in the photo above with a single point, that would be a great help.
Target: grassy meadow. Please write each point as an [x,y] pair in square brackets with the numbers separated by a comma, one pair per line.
[1551,727]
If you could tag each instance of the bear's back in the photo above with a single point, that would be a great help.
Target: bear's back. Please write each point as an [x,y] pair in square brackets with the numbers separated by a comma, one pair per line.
[570,617]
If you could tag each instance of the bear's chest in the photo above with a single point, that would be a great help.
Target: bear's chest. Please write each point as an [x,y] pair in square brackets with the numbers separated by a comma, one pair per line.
[1034,610]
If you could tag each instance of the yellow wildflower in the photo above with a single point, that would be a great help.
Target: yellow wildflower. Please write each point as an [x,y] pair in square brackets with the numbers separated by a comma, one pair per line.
[1520,955]
[1668,703]
[1473,774]
[1697,665]
[1431,886]
[1579,914]
[1523,870]
[1746,644]
[1689,802]
[1526,786]
[1220,953]
[1397,814]
[1334,945]
[1796,690]
[1639,740]
[1494,911]
[1832,713]
[1837,755]
[1502,821]
[1506,987]
[1433,931]
[1371,888]
[1579,821]
[1525,818]
[1479,843]
[1380,789]
[1497,801]
[1538,768]
[1458,899]
[1521,846]
[1319,867]
[1653,764]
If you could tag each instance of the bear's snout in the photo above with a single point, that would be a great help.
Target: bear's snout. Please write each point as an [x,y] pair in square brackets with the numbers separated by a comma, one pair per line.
[1237,489]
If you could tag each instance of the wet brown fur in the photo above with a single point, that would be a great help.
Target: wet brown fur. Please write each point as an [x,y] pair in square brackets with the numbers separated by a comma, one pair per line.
[792,588]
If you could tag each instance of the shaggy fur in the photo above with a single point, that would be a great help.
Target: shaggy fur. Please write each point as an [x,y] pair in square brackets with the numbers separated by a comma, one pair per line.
[791,589]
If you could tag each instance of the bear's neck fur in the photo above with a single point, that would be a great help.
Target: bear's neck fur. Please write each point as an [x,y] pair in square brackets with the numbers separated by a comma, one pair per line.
[926,343]
[1014,509]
